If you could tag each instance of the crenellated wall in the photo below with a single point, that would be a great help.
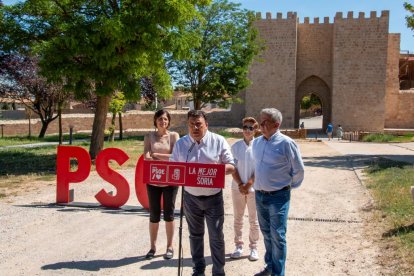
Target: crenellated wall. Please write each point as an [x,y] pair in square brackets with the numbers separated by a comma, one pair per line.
[360,48]
[314,50]
[274,79]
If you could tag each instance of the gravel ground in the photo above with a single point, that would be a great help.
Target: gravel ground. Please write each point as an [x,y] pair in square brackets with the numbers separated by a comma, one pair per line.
[329,230]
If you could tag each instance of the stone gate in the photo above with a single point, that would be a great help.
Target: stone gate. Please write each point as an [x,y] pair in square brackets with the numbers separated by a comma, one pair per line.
[350,64]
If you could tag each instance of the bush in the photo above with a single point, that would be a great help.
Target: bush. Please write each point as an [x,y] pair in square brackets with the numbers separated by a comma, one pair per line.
[378,137]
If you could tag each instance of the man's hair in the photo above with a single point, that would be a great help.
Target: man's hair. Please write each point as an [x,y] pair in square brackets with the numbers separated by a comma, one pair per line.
[159,113]
[250,120]
[275,114]
[196,114]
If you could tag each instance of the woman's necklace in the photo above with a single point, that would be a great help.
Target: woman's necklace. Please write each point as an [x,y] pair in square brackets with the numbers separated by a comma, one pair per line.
[161,136]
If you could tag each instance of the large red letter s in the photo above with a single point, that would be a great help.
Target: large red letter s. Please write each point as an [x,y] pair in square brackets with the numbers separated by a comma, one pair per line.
[120,183]
[63,174]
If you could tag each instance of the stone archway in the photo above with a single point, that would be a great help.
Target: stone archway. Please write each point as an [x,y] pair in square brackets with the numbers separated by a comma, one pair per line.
[314,85]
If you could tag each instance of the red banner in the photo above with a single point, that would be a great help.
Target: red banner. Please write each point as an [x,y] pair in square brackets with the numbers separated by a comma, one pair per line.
[184,174]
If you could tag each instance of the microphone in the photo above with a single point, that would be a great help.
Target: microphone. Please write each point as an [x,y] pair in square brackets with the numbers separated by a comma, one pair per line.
[180,232]
[189,151]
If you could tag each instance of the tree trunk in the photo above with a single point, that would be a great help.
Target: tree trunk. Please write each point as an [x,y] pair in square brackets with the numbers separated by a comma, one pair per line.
[98,128]
[42,133]
[112,135]
[60,124]
[121,136]
[30,128]
[30,123]
[197,104]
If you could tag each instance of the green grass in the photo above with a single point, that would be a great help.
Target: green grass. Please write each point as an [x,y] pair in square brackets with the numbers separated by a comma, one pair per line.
[227,134]
[12,141]
[384,138]
[390,183]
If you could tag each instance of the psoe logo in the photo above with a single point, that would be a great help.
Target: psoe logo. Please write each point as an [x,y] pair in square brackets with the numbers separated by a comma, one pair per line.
[159,173]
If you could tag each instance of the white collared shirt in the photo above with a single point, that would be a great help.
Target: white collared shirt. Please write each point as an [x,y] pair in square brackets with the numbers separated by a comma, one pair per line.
[243,157]
[212,149]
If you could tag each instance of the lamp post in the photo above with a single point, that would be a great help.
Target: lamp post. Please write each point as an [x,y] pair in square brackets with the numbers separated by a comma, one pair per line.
[70,133]
[2,125]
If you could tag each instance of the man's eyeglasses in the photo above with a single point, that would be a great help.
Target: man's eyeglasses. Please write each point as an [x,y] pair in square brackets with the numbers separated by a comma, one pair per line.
[264,122]
[249,128]
[196,126]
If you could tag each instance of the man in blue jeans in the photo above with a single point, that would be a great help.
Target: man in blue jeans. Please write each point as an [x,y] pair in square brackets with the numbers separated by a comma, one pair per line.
[278,168]
[204,204]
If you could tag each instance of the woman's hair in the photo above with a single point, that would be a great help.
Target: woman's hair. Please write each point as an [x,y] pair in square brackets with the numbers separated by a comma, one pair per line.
[159,113]
[251,120]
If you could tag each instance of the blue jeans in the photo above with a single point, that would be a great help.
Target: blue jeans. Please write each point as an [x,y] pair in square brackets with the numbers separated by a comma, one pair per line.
[211,209]
[272,213]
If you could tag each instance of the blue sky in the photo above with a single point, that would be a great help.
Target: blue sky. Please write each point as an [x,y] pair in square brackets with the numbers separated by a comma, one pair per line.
[328,8]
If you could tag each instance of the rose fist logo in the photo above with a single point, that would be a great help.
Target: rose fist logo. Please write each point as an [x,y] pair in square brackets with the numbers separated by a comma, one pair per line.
[159,172]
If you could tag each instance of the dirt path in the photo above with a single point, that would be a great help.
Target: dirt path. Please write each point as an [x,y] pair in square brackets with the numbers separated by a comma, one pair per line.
[328,231]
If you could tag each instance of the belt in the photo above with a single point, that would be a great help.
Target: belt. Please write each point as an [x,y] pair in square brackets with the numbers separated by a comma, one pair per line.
[204,196]
[286,188]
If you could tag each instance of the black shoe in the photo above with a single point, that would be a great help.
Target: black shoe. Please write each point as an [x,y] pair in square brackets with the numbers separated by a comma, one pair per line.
[150,254]
[264,272]
[197,273]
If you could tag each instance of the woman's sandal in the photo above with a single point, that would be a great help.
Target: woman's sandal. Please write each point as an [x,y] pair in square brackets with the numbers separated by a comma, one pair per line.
[150,254]
[169,254]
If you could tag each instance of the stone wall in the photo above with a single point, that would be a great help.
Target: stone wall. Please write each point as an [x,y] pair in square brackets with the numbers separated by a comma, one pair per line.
[131,121]
[134,123]
[359,71]
[314,65]
[399,103]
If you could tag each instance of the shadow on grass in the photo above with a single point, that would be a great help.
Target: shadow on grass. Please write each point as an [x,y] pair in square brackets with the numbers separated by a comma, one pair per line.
[26,161]
[372,163]
[402,230]
[381,164]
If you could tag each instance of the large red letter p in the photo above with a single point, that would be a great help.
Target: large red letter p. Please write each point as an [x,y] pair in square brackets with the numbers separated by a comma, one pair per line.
[63,174]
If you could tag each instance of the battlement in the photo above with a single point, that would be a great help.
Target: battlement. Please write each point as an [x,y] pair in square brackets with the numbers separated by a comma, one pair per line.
[361,15]
[338,16]
[279,16]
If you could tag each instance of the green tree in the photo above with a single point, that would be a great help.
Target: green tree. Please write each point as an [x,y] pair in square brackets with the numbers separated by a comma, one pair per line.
[310,102]
[410,18]
[101,46]
[115,107]
[217,67]
[20,80]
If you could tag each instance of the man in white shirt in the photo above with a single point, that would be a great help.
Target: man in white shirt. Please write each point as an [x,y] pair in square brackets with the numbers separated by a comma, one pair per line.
[204,204]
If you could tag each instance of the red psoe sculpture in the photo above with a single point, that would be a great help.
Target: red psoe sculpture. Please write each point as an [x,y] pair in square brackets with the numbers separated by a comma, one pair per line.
[111,176]
[64,175]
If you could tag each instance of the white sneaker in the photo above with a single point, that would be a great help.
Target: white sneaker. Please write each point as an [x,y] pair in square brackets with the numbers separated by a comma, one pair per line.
[238,252]
[254,256]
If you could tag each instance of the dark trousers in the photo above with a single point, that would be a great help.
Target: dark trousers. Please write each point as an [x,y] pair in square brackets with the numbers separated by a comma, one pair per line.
[168,195]
[211,209]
